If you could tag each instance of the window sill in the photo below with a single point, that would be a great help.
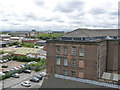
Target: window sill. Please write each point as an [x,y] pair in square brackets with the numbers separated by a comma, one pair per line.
[65,66]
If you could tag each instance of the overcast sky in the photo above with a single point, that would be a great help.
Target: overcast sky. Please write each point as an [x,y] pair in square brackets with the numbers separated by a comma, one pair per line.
[58,14]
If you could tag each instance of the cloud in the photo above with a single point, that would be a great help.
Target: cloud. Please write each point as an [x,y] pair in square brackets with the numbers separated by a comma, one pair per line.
[97,11]
[67,7]
[58,14]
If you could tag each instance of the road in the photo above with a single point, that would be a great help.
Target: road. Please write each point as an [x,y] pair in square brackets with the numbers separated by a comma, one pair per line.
[15,82]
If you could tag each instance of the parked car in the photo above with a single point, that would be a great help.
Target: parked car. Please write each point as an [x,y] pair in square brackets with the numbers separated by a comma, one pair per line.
[43,74]
[4,66]
[39,77]
[19,67]
[1,61]
[7,60]
[12,69]
[1,73]
[26,83]
[34,62]
[34,79]
[16,75]
[15,68]
[4,61]
[22,66]
[6,71]
[27,71]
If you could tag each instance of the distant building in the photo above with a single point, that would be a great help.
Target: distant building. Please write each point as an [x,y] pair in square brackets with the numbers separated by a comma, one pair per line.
[84,53]
[41,42]
[57,31]
[5,37]
[29,40]
[3,43]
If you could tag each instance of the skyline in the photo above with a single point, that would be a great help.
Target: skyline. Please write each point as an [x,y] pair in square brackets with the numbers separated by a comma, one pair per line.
[58,14]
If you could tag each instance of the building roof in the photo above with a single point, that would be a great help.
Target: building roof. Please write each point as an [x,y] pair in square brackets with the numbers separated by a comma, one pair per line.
[53,82]
[81,32]
[25,51]
[4,42]
[5,35]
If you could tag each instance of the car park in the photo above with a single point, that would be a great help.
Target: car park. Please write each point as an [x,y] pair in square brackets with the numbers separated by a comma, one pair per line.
[16,75]
[39,77]
[27,71]
[26,83]
[34,79]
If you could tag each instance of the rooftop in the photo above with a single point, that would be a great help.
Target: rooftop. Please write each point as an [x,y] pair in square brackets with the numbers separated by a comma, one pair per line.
[81,32]
[53,82]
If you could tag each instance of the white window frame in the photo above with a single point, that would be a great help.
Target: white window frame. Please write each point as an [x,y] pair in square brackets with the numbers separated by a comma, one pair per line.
[58,61]
[65,62]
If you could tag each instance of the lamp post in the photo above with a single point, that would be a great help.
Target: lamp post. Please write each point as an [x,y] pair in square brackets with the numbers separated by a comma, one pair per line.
[3,78]
[2,81]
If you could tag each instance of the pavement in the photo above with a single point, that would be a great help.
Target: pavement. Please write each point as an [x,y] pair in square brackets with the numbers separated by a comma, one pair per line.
[16,82]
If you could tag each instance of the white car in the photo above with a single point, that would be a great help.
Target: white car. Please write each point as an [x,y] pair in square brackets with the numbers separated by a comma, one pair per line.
[15,68]
[26,84]
[1,73]
[43,74]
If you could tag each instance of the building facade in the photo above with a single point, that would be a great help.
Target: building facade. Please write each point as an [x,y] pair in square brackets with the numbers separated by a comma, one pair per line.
[85,58]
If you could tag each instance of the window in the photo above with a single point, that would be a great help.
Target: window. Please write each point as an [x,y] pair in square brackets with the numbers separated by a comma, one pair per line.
[81,75]
[58,61]
[65,72]
[65,50]
[73,51]
[73,63]
[81,64]
[83,38]
[58,50]
[72,73]
[58,71]
[65,62]
[81,51]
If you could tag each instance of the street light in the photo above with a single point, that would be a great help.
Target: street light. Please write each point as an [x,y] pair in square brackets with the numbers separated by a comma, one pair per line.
[2,81]
[3,78]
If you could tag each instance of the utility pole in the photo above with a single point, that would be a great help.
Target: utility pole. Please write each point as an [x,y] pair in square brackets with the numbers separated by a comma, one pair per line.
[2,81]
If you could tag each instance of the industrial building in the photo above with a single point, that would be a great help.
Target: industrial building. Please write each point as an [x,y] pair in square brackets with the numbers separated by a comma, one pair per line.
[85,54]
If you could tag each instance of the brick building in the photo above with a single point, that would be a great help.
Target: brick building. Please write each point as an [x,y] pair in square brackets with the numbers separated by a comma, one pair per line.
[84,53]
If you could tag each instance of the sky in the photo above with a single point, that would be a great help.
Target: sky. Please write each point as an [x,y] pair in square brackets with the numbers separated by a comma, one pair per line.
[60,15]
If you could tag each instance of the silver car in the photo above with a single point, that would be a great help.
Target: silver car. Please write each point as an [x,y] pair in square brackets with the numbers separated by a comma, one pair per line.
[26,83]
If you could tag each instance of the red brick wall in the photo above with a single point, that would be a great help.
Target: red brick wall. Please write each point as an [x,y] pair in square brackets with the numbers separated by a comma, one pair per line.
[90,60]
